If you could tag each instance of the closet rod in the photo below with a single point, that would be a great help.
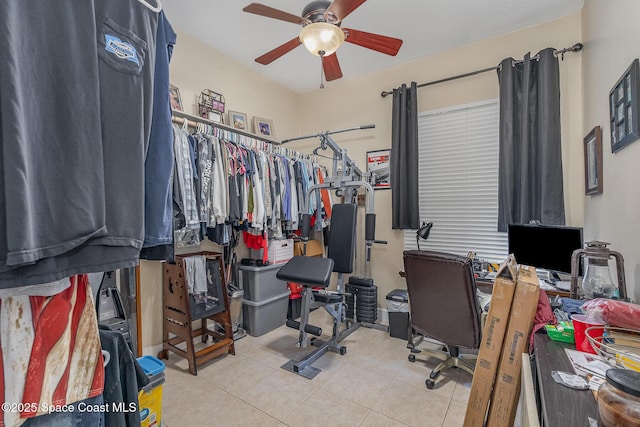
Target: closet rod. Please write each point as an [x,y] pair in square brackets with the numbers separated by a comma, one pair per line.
[575,48]
[196,119]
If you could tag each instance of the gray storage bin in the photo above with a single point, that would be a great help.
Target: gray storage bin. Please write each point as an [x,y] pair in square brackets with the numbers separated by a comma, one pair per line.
[260,283]
[264,316]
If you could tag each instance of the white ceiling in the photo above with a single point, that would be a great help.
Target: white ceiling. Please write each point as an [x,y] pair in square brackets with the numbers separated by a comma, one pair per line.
[426,26]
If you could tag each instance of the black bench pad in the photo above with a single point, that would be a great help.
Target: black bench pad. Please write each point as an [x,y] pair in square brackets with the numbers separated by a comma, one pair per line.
[307,271]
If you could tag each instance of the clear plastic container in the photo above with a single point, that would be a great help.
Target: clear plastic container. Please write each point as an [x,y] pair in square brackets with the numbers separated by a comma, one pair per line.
[619,399]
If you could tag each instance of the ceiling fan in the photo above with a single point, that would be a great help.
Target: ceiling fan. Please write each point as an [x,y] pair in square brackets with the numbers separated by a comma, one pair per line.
[321,33]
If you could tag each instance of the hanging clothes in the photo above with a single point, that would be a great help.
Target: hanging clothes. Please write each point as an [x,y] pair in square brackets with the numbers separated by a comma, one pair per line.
[205,168]
[185,173]
[124,377]
[220,184]
[91,133]
[158,166]
[239,182]
[195,274]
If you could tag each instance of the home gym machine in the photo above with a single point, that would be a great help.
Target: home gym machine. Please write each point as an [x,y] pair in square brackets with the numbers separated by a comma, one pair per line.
[313,273]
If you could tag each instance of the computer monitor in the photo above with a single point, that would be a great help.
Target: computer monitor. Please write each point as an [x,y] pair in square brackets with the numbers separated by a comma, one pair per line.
[548,247]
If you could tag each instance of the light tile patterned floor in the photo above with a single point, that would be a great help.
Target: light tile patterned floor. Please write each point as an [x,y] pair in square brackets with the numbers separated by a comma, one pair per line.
[372,385]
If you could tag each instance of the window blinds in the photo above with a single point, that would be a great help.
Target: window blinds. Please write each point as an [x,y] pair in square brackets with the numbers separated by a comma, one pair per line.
[458,181]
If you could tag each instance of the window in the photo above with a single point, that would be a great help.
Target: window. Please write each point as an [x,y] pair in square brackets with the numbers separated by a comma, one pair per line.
[458,181]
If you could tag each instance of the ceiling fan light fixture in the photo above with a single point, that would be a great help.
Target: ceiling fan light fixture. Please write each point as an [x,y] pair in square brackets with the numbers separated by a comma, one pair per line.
[321,38]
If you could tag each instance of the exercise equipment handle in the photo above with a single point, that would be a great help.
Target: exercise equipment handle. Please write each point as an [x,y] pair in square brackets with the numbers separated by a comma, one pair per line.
[306,226]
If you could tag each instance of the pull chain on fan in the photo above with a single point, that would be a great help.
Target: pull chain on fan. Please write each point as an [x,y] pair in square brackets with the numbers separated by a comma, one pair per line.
[321,72]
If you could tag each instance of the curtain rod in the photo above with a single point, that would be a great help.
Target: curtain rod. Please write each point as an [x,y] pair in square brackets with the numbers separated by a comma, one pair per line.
[197,119]
[575,48]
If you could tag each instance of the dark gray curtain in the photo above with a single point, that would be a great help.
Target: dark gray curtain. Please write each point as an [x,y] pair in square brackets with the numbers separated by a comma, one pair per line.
[530,171]
[404,158]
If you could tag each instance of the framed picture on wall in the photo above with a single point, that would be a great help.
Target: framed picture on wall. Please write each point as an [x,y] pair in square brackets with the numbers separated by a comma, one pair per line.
[593,161]
[237,120]
[174,98]
[379,163]
[263,127]
[624,108]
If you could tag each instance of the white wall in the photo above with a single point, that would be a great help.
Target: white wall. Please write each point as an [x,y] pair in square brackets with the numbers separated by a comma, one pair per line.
[610,36]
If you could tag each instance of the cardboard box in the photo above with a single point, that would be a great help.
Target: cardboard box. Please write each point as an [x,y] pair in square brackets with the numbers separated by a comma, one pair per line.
[493,333]
[504,399]
[314,248]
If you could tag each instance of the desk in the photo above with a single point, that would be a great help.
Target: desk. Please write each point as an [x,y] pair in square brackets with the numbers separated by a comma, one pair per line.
[559,405]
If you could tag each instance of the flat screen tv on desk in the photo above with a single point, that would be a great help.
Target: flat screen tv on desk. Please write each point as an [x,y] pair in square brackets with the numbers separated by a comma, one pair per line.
[548,247]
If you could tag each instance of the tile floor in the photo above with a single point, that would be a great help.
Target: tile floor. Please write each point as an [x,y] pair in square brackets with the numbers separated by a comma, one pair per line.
[372,385]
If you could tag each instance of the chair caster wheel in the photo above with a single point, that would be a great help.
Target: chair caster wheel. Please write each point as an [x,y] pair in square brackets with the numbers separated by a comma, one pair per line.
[343,350]
[416,350]
[433,375]
[412,358]
[430,384]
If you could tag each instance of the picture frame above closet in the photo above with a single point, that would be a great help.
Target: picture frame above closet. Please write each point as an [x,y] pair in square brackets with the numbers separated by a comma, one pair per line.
[263,127]
[211,105]
[174,98]
[237,120]
[624,111]
[593,161]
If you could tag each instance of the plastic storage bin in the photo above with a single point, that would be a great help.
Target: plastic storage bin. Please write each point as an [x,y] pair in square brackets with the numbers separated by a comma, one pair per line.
[260,283]
[264,316]
[280,251]
[150,397]
[398,309]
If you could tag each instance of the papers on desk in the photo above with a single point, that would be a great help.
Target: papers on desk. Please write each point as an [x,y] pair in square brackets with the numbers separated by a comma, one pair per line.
[491,275]
[560,285]
[546,285]
[590,365]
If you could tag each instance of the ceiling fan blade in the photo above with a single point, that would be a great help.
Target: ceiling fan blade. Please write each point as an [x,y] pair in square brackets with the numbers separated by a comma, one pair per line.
[270,12]
[383,44]
[276,53]
[331,67]
[341,8]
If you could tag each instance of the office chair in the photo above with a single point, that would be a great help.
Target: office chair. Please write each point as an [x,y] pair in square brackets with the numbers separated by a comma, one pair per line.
[443,306]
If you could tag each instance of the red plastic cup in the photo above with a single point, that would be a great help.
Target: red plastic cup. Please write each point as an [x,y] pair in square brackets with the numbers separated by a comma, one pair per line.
[580,324]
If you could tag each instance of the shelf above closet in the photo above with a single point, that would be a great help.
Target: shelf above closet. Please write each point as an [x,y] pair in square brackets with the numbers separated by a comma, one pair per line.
[197,119]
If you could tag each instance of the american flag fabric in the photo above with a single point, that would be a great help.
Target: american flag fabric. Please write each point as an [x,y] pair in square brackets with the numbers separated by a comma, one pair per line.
[50,353]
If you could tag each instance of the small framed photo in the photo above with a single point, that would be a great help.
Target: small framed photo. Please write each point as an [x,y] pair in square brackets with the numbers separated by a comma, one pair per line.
[174,98]
[237,120]
[263,127]
[215,116]
[593,161]
[379,164]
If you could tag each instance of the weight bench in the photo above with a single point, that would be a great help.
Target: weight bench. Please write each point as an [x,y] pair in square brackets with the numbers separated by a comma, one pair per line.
[313,272]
